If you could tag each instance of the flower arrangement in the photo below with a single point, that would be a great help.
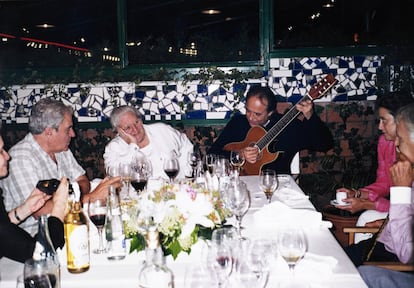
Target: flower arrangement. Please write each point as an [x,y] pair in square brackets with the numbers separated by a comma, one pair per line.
[182,213]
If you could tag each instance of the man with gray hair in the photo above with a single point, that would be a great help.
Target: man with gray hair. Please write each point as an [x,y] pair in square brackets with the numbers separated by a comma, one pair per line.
[42,154]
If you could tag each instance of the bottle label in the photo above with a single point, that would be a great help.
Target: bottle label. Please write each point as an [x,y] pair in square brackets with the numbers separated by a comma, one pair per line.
[78,245]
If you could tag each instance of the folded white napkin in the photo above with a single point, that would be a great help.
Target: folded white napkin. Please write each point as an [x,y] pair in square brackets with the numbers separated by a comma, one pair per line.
[277,214]
[311,267]
[290,196]
[316,264]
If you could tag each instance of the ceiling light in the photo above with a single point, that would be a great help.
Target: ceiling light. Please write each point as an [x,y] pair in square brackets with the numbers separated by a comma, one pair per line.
[211,12]
[329,4]
[45,26]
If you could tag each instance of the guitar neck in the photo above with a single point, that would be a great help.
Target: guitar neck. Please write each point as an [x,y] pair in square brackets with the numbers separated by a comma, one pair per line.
[280,125]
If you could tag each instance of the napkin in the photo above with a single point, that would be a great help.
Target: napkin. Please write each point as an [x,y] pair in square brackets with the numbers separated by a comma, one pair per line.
[277,214]
[317,264]
[290,196]
[311,267]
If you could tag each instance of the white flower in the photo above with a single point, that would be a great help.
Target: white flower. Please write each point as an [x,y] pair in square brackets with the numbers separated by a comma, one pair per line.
[177,210]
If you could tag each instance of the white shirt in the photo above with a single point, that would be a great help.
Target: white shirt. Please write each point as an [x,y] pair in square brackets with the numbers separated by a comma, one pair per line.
[163,140]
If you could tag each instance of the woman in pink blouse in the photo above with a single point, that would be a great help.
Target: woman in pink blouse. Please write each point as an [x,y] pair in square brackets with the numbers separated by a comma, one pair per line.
[374,198]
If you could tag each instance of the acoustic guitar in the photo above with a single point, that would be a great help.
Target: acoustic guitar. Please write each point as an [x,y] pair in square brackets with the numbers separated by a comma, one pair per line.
[260,138]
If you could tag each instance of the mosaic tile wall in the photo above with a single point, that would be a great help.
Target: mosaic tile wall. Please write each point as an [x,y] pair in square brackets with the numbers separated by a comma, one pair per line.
[290,79]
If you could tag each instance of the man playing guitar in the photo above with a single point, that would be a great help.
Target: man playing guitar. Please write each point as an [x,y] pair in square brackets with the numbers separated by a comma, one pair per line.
[307,133]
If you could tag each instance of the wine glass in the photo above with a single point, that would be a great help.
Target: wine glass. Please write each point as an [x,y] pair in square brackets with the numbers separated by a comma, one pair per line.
[249,276]
[211,160]
[200,275]
[292,246]
[238,201]
[171,166]
[258,257]
[40,273]
[237,161]
[221,167]
[112,170]
[141,171]
[193,158]
[268,182]
[97,213]
[125,171]
[224,235]
[220,259]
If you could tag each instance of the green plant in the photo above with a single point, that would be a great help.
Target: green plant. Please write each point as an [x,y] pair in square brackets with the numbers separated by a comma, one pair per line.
[337,170]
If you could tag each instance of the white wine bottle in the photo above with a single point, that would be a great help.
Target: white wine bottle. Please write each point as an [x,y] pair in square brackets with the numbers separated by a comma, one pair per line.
[77,239]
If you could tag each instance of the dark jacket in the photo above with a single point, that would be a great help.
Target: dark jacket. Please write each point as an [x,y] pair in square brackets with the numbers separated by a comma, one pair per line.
[17,244]
[299,135]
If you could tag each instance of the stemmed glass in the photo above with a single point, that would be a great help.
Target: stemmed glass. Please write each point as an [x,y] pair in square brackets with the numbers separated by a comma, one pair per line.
[112,170]
[171,166]
[40,273]
[193,158]
[220,258]
[238,201]
[222,165]
[141,171]
[200,276]
[292,246]
[237,161]
[97,213]
[211,160]
[268,183]
[257,260]
[125,171]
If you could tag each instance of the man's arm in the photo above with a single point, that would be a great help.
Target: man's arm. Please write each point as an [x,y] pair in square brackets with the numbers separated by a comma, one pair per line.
[84,184]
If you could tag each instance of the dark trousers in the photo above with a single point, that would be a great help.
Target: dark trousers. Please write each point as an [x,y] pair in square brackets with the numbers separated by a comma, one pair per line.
[357,252]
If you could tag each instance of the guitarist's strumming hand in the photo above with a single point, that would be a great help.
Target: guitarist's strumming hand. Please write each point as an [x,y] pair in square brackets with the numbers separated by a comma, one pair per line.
[306,107]
[251,154]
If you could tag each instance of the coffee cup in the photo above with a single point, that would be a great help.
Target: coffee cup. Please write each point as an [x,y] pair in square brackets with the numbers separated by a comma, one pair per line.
[340,196]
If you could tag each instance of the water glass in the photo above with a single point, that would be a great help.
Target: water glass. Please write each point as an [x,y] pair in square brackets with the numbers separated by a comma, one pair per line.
[42,273]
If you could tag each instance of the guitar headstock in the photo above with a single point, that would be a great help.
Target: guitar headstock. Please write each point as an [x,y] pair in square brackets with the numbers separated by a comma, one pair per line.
[322,87]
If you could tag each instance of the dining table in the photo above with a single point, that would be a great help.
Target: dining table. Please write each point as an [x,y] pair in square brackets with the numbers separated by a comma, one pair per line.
[325,263]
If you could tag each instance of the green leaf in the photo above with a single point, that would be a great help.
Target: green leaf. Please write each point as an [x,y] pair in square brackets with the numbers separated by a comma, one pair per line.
[174,248]
[137,243]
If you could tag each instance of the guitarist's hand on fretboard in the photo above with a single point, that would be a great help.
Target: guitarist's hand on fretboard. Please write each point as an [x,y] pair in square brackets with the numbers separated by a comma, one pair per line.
[306,107]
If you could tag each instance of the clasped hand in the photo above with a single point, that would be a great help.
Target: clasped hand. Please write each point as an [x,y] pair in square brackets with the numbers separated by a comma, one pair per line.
[401,173]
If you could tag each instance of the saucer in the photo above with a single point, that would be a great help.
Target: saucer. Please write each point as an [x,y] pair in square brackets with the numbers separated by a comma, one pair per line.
[335,203]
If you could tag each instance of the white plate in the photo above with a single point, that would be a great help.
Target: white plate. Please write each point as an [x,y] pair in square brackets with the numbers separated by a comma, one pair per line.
[335,203]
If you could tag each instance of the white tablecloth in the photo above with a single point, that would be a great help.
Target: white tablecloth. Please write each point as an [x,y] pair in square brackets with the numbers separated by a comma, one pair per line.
[104,273]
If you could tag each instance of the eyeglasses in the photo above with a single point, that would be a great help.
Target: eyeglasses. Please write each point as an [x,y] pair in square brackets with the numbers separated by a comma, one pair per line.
[128,129]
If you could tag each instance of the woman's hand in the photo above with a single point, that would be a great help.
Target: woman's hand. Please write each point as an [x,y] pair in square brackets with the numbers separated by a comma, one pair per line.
[356,205]
[33,203]
[375,223]
[60,200]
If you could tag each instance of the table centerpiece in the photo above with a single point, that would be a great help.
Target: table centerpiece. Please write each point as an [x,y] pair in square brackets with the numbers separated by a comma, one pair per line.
[182,212]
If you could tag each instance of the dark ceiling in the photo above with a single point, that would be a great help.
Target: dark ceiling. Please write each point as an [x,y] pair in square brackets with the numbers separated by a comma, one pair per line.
[96,19]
